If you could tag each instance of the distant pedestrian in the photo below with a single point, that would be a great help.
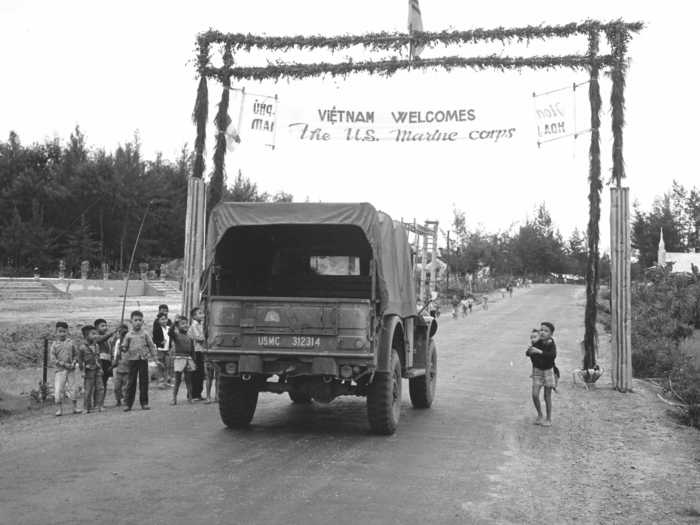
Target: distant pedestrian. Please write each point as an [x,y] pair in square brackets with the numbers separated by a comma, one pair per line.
[464,307]
[64,354]
[89,363]
[485,302]
[196,332]
[139,346]
[120,366]
[455,306]
[183,358]
[542,353]
[470,303]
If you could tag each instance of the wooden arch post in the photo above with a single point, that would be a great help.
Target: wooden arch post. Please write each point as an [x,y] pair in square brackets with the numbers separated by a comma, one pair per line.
[195,216]
[620,242]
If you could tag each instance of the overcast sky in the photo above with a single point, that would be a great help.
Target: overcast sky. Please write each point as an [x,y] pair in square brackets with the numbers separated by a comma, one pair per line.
[117,67]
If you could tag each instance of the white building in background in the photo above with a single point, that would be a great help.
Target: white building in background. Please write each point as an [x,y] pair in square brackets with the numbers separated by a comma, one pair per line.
[682,262]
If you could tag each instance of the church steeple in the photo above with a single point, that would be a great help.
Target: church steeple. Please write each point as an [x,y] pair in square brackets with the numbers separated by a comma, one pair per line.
[661,255]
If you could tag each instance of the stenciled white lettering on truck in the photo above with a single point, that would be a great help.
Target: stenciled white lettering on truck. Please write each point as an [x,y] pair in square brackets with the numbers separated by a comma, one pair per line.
[306,342]
[268,340]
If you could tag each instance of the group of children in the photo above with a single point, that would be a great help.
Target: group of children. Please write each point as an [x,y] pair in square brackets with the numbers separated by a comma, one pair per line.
[124,354]
[542,352]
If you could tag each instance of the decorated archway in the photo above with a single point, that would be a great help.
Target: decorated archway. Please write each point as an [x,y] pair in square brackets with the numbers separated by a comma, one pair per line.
[617,35]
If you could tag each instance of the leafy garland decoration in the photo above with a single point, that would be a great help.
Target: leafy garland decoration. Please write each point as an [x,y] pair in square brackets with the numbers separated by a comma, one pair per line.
[200,113]
[593,232]
[391,66]
[395,41]
[222,121]
[618,41]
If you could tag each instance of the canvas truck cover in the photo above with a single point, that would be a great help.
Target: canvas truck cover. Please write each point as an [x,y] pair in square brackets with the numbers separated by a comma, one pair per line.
[389,241]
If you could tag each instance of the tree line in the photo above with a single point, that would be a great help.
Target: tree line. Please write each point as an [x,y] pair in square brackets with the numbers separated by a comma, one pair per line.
[75,203]
[677,213]
[535,249]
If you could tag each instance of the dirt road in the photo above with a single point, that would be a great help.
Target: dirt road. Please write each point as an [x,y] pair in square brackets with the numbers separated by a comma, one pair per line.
[475,457]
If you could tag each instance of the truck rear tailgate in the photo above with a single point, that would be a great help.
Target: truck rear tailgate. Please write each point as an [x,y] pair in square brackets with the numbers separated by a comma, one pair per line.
[288,326]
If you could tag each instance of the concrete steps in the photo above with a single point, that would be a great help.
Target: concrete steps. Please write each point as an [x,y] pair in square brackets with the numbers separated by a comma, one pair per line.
[165,287]
[28,290]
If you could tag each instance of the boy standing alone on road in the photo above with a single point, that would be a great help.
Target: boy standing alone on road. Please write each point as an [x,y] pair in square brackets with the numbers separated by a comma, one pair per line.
[139,346]
[542,353]
[65,356]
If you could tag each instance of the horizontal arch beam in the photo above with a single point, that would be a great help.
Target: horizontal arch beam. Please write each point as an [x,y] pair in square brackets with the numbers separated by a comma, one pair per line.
[386,40]
[389,67]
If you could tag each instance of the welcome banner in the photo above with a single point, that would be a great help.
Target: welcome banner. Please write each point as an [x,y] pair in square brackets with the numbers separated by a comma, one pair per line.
[408,125]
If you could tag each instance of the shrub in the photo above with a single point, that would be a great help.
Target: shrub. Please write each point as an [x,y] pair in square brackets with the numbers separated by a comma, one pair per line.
[665,311]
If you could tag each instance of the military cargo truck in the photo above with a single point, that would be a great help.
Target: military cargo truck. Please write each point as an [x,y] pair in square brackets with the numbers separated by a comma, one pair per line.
[316,301]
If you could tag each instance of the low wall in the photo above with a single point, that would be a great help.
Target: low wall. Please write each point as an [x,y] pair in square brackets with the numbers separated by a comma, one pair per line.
[97,287]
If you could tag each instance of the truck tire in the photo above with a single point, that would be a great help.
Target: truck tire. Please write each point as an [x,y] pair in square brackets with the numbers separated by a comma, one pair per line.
[422,388]
[299,398]
[237,402]
[384,399]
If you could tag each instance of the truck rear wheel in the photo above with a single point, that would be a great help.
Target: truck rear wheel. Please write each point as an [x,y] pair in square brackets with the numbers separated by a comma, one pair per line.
[384,399]
[299,398]
[422,388]
[237,402]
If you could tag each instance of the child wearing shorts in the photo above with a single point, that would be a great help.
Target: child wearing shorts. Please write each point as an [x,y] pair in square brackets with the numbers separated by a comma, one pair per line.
[183,358]
[64,354]
[542,353]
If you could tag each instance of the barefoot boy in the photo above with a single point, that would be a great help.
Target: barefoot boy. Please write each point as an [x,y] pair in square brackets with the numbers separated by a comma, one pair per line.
[183,359]
[89,363]
[104,347]
[139,347]
[542,354]
[65,357]
[120,365]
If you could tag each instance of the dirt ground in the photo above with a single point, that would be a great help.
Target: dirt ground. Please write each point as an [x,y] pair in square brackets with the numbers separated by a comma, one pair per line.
[475,457]
[80,310]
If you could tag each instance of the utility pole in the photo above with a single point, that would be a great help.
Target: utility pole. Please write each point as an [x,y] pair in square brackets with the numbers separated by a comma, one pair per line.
[449,259]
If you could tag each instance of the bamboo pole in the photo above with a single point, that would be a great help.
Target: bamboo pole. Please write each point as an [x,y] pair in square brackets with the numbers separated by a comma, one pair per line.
[620,288]
[614,288]
[194,243]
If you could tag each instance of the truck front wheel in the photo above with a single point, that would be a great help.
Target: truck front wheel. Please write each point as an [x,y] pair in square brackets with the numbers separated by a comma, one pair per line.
[384,398]
[422,388]
[237,402]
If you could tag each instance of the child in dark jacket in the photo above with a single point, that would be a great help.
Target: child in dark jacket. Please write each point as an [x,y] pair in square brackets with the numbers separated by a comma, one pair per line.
[542,353]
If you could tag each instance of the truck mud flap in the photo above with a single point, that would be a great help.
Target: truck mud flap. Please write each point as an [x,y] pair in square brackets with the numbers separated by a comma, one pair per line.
[250,364]
[326,366]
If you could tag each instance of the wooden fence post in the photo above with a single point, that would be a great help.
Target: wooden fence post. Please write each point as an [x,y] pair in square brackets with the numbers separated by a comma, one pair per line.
[620,289]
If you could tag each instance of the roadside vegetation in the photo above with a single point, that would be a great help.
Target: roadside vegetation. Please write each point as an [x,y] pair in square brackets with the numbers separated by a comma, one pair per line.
[665,324]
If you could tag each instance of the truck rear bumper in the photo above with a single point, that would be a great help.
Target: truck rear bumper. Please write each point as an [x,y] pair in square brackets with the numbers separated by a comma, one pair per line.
[291,363]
